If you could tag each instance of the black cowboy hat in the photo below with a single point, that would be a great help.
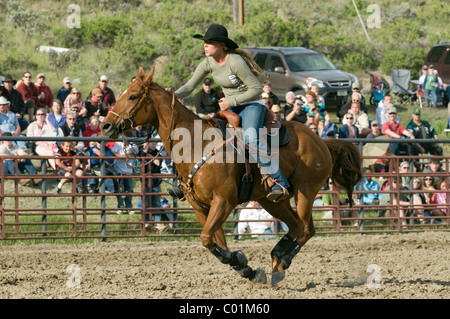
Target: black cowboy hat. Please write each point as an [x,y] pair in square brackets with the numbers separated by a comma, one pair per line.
[8,78]
[217,32]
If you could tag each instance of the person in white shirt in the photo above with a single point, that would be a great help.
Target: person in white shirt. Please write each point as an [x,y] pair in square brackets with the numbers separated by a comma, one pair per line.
[255,212]
[381,115]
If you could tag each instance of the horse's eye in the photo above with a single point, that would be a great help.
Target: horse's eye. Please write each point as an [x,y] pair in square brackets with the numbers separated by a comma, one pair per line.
[132,98]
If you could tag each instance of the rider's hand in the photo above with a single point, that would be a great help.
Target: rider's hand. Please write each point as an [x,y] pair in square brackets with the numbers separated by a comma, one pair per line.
[223,103]
[170,90]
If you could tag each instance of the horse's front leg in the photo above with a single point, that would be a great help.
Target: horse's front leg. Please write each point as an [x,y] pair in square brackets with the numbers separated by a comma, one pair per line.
[218,214]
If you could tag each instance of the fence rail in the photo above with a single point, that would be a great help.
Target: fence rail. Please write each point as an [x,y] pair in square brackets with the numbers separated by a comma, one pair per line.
[36,213]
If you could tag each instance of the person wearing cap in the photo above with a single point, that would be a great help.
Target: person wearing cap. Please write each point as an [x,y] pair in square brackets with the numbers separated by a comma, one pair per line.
[375,130]
[94,104]
[236,72]
[293,109]
[423,74]
[356,88]
[311,117]
[45,93]
[108,97]
[30,95]
[394,130]
[8,149]
[9,122]
[430,84]
[266,99]
[206,101]
[276,109]
[423,130]
[17,105]
[64,91]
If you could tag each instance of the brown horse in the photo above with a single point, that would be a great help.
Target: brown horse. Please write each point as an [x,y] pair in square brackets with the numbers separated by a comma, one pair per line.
[307,161]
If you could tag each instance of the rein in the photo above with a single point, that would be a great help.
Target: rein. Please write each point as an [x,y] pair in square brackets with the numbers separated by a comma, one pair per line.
[129,118]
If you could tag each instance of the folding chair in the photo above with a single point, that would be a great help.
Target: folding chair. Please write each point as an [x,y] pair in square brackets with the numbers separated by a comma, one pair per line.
[400,85]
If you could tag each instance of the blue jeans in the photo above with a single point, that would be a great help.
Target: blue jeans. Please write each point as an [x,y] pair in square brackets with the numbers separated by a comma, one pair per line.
[8,167]
[125,186]
[252,117]
[433,97]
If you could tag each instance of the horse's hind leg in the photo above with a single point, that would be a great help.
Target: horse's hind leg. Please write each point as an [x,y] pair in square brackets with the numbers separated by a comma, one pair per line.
[286,249]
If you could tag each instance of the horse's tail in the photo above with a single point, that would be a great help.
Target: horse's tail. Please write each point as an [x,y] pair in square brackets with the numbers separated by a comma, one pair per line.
[346,164]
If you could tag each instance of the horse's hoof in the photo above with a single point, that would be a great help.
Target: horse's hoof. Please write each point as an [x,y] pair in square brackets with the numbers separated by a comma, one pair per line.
[277,277]
[260,277]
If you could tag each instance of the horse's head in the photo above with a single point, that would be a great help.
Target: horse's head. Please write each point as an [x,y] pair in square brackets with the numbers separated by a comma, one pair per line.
[131,107]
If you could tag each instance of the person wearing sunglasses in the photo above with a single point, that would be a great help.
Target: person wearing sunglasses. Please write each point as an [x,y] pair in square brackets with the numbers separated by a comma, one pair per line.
[348,129]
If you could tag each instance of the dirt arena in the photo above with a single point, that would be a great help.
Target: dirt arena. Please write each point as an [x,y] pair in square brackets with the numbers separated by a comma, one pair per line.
[354,266]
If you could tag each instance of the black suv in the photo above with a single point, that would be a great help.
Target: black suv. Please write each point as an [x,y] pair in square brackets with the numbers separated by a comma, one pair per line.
[439,56]
[297,68]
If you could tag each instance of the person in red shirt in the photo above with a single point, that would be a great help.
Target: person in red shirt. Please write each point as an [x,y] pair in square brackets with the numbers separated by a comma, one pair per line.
[30,95]
[394,130]
[45,93]
[93,129]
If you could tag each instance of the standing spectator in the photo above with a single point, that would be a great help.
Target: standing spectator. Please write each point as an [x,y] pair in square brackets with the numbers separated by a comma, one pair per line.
[94,104]
[17,105]
[94,165]
[64,166]
[9,122]
[122,169]
[348,130]
[45,93]
[55,117]
[74,98]
[313,104]
[108,98]
[393,129]
[206,101]
[7,149]
[430,85]
[39,128]
[423,130]
[64,91]
[315,89]
[267,88]
[293,109]
[29,95]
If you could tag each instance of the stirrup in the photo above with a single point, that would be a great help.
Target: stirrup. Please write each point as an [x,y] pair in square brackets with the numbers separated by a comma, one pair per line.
[278,194]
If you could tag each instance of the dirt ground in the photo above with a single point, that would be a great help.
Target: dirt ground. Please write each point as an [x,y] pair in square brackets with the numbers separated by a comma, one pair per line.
[370,266]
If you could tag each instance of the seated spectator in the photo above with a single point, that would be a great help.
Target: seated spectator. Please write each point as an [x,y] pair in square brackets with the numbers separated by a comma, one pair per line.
[94,166]
[293,109]
[348,130]
[64,166]
[434,167]
[381,163]
[423,130]
[64,91]
[9,122]
[92,130]
[381,116]
[55,116]
[45,93]
[71,128]
[356,88]
[311,117]
[355,98]
[369,185]
[108,98]
[313,128]
[81,118]
[428,184]
[405,179]
[266,99]
[385,198]
[29,95]
[440,199]
[255,212]
[16,105]
[394,130]
[74,98]
[206,101]
[418,199]
[361,120]
[39,128]
[7,149]
[276,109]
[267,88]
[375,130]
[94,104]
[329,200]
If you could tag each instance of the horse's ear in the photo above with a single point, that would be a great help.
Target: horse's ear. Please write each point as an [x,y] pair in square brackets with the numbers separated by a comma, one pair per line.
[141,74]
[149,76]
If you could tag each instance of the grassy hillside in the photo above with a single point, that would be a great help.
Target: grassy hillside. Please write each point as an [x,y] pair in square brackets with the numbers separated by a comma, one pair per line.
[116,37]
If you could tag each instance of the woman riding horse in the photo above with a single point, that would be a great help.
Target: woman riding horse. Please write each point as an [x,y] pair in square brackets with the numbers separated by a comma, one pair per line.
[235,71]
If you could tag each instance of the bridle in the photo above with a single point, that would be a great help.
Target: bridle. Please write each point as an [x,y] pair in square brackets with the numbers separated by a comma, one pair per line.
[123,124]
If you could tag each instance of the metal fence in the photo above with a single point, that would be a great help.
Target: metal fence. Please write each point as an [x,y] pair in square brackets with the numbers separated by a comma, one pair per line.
[36,213]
